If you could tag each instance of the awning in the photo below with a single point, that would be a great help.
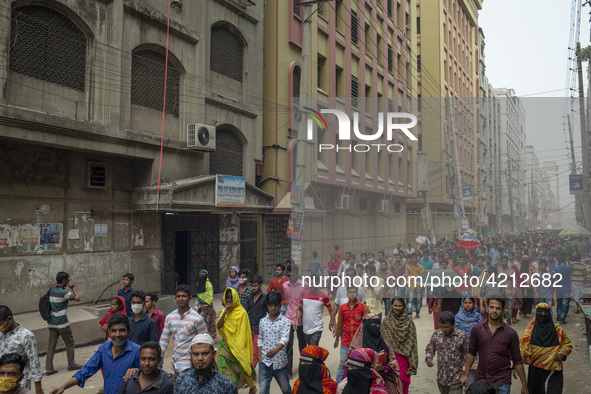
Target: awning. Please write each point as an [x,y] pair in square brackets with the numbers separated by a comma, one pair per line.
[196,195]
[312,203]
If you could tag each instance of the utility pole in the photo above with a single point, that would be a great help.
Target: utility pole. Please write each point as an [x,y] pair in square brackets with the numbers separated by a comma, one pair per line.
[300,173]
[573,168]
[586,198]
[457,161]
[510,189]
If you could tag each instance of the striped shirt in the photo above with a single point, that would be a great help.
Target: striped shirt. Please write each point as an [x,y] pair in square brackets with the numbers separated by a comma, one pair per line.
[59,298]
[182,329]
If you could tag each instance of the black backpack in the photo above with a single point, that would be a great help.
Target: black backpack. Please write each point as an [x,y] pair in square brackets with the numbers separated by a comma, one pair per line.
[44,306]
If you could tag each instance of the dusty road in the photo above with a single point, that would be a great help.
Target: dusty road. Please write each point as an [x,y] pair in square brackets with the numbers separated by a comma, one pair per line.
[577,376]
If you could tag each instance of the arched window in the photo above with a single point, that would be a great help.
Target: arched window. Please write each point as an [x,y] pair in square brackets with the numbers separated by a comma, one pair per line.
[227,53]
[296,79]
[46,45]
[227,157]
[147,82]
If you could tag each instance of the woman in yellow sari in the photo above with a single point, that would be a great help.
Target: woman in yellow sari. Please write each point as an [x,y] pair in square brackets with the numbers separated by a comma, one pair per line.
[235,352]
[544,346]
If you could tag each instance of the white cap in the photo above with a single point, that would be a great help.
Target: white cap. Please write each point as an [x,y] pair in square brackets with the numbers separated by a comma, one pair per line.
[202,338]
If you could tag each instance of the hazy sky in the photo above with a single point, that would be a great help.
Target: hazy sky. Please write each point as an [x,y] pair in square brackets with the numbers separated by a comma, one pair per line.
[527,50]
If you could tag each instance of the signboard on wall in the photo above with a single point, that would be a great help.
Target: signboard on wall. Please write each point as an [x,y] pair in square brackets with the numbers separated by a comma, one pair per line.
[230,191]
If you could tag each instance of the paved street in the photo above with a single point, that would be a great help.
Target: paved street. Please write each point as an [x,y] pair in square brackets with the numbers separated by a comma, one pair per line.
[576,371]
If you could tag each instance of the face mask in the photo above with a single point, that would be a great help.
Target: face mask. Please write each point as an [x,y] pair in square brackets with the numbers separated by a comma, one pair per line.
[122,343]
[137,308]
[372,260]
[8,383]
[242,281]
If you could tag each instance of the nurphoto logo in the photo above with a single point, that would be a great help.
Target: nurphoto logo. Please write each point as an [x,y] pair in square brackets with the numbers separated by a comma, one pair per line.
[387,121]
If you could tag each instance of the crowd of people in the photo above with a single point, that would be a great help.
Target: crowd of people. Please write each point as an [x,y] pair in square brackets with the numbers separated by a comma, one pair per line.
[373,327]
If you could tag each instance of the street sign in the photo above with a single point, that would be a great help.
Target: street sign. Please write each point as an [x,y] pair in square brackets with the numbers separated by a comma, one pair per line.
[466,192]
[465,223]
[575,183]
[294,196]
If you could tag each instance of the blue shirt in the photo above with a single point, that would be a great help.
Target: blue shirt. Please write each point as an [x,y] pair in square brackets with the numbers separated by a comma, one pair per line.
[565,271]
[143,331]
[114,369]
[127,297]
[215,383]
[495,255]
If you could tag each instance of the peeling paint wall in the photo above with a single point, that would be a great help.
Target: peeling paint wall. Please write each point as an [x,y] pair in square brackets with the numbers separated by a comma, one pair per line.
[229,244]
[100,238]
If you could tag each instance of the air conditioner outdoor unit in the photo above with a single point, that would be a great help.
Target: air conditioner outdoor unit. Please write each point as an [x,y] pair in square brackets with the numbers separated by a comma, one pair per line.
[383,206]
[342,202]
[200,137]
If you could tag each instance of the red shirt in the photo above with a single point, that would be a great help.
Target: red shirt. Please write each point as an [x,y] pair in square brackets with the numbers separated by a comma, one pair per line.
[275,285]
[467,269]
[158,316]
[349,320]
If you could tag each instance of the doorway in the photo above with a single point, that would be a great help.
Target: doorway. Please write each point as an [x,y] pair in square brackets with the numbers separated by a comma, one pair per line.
[181,257]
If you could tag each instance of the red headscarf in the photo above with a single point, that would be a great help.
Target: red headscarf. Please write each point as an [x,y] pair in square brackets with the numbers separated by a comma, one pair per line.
[105,319]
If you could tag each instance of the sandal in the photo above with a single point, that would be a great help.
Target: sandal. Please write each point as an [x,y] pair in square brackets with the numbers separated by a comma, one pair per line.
[253,390]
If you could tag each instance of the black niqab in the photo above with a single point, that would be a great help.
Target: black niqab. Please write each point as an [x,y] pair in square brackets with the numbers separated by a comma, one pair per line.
[201,284]
[372,337]
[310,379]
[358,381]
[544,333]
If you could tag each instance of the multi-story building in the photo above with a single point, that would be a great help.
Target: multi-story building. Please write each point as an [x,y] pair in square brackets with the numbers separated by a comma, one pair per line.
[448,49]
[550,195]
[359,49]
[533,188]
[511,118]
[96,180]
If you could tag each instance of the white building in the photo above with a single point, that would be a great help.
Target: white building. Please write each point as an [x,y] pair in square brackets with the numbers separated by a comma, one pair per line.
[512,154]
[533,188]
[550,194]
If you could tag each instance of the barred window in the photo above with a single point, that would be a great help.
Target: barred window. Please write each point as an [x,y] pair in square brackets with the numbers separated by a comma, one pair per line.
[227,157]
[46,45]
[227,53]
[147,82]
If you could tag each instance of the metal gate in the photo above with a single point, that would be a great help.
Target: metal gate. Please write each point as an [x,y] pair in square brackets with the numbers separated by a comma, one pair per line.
[276,244]
[203,249]
[248,242]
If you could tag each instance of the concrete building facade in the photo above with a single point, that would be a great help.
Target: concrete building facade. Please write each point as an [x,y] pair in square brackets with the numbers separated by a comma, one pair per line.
[97,181]
[511,120]
[550,195]
[448,51]
[533,188]
[359,49]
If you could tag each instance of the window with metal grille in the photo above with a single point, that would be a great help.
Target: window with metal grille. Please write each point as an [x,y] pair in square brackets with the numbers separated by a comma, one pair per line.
[354,28]
[296,80]
[354,91]
[363,204]
[97,175]
[390,58]
[397,207]
[389,8]
[147,82]
[227,157]
[46,45]
[227,53]
[390,105]
[418,63]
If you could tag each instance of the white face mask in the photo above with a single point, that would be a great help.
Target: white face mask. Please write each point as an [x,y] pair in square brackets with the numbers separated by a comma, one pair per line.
[371,260]
[242,281]
[137,308]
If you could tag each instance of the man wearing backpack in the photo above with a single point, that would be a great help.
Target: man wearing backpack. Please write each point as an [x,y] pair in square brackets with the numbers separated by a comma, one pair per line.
[59,297]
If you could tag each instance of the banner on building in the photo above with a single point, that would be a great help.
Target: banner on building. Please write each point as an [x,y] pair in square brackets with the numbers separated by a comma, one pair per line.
[466,192]
[230,191]
[294,227]
[575,183]
[465,223]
